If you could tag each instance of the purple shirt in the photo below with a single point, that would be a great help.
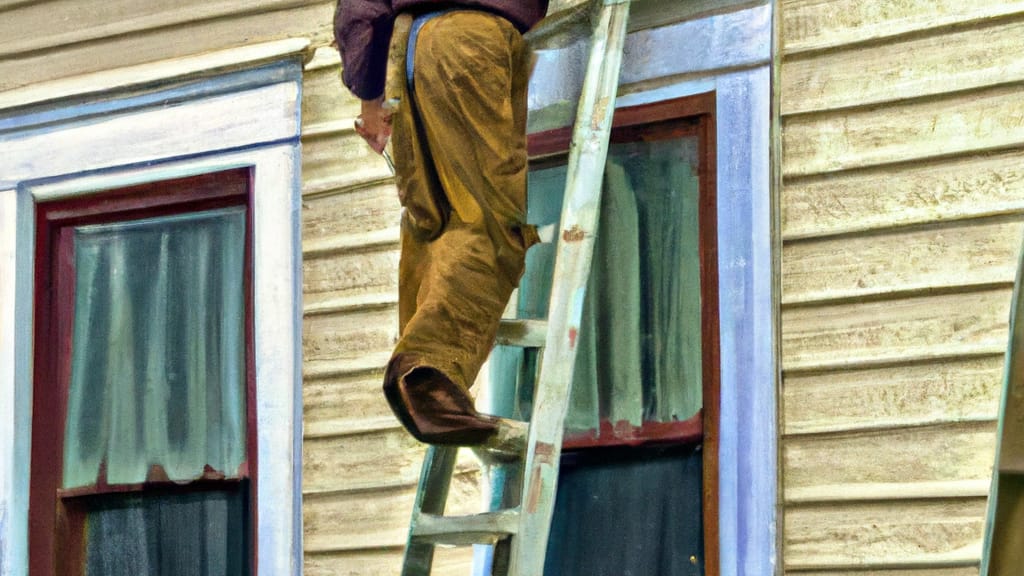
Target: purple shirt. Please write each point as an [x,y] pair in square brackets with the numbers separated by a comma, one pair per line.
[362,29]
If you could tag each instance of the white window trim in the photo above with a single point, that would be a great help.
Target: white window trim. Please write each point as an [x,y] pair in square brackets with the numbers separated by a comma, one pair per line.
[256,126]
[728,53]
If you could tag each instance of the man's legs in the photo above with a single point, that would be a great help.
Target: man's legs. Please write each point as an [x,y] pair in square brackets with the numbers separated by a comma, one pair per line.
[468,160]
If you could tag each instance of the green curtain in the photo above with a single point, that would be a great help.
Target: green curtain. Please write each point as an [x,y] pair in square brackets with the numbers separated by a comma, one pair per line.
[639,354]
[158,365]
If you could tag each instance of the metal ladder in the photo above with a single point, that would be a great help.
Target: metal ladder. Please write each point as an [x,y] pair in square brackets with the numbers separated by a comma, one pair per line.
[520,533]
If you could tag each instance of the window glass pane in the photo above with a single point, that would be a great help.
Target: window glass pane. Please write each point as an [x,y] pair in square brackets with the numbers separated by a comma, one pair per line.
[634,511]
[158,355]
[195,534]
[639,356]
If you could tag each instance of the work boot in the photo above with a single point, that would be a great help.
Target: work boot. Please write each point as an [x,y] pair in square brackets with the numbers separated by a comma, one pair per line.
[434,409]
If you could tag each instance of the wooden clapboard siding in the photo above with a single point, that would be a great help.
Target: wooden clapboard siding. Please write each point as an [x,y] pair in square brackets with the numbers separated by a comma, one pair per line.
[962,571]
[373,519]
[328,220]
[321,83]
[906,131]
[822,24]
[348,334]
[56,38]
[878,198]
[836,79]
[957,254]
[830,467]
[902,214]
[933,532]
[364,532]
[386,562]
[859,334]
[890,397]
[340,278]
[355,400]
[328,146]
[347,462]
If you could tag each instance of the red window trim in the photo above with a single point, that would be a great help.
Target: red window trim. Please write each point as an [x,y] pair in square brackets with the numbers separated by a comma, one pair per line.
[690,115]
[56,538]
[689,431]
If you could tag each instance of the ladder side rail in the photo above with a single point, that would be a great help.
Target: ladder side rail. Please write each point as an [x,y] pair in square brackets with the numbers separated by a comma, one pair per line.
[581,207]
[431,497]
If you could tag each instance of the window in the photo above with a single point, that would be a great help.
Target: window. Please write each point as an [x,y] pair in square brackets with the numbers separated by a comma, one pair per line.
[79,139]
[677,50]
[641,430]
[142,407]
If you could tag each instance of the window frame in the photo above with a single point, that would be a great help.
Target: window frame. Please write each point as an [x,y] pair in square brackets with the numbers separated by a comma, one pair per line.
[727,47]
[692,115]
[237,108]
[57,515]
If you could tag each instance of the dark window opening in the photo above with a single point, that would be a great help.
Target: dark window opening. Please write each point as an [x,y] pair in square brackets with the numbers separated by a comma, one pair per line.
[143,413]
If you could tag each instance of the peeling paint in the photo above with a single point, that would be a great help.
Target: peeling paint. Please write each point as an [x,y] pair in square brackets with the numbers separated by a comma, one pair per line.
[535,482]
[574,234]
[600,112]
[543,456]
[543,452]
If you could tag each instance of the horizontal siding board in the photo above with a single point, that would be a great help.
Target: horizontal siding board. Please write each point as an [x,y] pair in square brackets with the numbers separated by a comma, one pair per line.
[903,132]
[387,458]
[354,521]
[345,367]
[447,562]
[353,397]
[374,519]
[324,156]
[845,463]
[949,256]
[896,396]
[340,336]
[892,330]
[6,5]
[361,462]
[928,533]
[888,491]
[897,196]
[310,21]
[901,211]
[336,276]
[915,67]
[324,98]
[34,27]
[957,571]
[357,563]
[818,24]
[363,211]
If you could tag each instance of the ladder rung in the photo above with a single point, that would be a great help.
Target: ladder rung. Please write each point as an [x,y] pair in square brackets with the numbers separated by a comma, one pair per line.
[507,445]
[486,528]
[524,333]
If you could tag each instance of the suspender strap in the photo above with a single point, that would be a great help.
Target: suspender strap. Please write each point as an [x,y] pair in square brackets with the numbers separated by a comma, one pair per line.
[414,34]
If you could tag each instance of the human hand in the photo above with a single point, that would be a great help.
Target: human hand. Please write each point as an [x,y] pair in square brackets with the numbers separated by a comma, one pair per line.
[374,124]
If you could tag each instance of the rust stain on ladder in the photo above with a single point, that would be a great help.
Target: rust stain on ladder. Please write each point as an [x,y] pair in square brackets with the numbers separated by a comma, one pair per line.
[542,457]
[574,234]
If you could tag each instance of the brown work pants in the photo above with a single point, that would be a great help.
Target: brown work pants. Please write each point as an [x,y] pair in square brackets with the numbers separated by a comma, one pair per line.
[459,142]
